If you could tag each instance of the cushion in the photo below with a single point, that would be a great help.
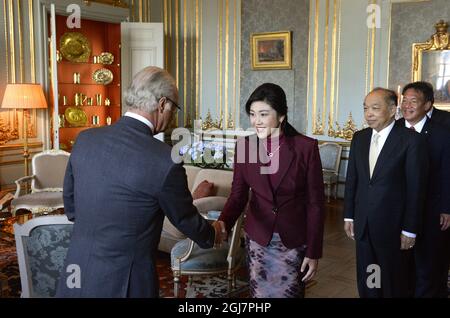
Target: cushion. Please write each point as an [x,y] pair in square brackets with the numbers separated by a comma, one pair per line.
[222,180]
[204,205]
[209,259]
[203,190]
[169,228]
[39,199]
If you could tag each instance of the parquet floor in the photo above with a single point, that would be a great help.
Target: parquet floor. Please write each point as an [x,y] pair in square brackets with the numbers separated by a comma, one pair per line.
[336,277]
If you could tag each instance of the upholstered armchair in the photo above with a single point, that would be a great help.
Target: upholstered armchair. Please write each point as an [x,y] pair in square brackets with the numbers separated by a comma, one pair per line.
[48,169]
[187,258]
[42,244]
[330,155]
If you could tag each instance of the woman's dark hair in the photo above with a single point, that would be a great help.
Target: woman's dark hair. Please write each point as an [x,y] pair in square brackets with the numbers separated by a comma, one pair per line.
[274,96]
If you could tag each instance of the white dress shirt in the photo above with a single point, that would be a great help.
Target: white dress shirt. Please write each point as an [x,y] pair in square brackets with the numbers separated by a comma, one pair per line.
[384,134]
[430,113]
[142,119]
[419,126]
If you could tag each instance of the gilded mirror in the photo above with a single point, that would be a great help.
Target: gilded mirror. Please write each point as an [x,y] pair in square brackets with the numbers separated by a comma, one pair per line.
[431,63]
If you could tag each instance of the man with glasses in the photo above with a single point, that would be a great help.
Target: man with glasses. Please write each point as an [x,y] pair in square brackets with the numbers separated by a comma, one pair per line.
[119,185]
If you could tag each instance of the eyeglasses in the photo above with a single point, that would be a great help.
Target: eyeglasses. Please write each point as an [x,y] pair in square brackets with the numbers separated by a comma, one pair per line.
[170,100]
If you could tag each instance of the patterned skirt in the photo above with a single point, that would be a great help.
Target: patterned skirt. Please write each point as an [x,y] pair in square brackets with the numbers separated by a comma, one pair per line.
[274,270]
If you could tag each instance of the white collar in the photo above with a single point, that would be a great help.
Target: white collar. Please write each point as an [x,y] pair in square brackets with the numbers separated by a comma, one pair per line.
[419,126]
[430,113]
[142,119]
[384,133]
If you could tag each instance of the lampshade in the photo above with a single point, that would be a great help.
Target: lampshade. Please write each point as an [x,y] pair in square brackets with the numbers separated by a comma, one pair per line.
[24,96]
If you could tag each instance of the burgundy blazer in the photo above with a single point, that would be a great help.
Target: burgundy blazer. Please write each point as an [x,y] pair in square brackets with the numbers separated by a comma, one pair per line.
[299,195]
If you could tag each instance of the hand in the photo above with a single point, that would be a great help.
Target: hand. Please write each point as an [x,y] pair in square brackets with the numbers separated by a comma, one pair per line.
[221,233]
[445,221]
[406,243]
[312,268]
[348,227]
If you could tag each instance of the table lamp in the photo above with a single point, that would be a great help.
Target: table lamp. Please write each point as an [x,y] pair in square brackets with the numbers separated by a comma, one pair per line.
[24,96]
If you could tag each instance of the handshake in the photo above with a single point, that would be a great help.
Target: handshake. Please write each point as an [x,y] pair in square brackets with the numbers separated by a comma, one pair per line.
[221,233]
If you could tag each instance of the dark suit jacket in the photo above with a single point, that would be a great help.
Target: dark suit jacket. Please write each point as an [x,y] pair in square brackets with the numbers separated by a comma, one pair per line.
[119,184]
[441,116]
[299,196]
[392,200]
[438,149]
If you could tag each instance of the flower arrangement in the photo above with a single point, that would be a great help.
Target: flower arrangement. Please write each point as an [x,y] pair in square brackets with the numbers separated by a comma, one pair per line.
[205,155]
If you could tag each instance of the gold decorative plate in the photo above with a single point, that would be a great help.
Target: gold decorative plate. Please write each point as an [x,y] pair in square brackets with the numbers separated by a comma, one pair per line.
[75,47]
[103,76]
[106,58]
[75,116]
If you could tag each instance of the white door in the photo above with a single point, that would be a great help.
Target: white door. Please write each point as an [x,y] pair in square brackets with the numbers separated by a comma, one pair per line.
[142,45]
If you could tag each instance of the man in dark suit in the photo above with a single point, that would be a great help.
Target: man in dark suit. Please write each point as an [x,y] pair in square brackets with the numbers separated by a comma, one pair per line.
[431,253]
[384,196]
[440,116]
[119,184]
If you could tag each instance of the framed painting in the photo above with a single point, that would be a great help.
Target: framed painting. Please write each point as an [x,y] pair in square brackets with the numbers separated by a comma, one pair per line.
[271,51]
[431,63]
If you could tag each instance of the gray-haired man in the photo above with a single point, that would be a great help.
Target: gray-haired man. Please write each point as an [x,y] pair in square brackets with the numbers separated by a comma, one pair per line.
[120,183]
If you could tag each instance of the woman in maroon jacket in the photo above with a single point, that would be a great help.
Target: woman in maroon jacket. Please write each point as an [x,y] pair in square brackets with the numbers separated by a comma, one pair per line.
[282,172]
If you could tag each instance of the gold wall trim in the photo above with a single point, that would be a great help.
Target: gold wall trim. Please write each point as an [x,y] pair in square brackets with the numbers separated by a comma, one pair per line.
[166,36]
[11,40]
[308,82]
[227,58]
[339,61]
[316,65]
[114,3]
[333,61]
[367,57]
[235,15]
[133,11]
[185,66]
[177,44]
[325,62]
[6,41]
[200,65]
[389,44]
[197,60]
[220,58]
[32,53]
[193,65]
[372,56]
[20,38]
[140,11]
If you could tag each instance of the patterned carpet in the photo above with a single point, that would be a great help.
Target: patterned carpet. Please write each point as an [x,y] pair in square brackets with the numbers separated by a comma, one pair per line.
[206,287]
[9,269]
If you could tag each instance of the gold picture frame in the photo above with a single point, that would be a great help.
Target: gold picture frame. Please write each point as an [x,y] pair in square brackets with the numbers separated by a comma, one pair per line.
[271,50]
[431,63]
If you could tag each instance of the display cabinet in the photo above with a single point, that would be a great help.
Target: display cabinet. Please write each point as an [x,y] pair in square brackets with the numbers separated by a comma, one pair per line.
[88,78]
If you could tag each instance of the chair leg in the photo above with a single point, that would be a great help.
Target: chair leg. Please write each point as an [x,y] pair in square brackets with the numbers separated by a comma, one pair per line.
[176,284]
[336,190]
[230,278]
[329,192]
